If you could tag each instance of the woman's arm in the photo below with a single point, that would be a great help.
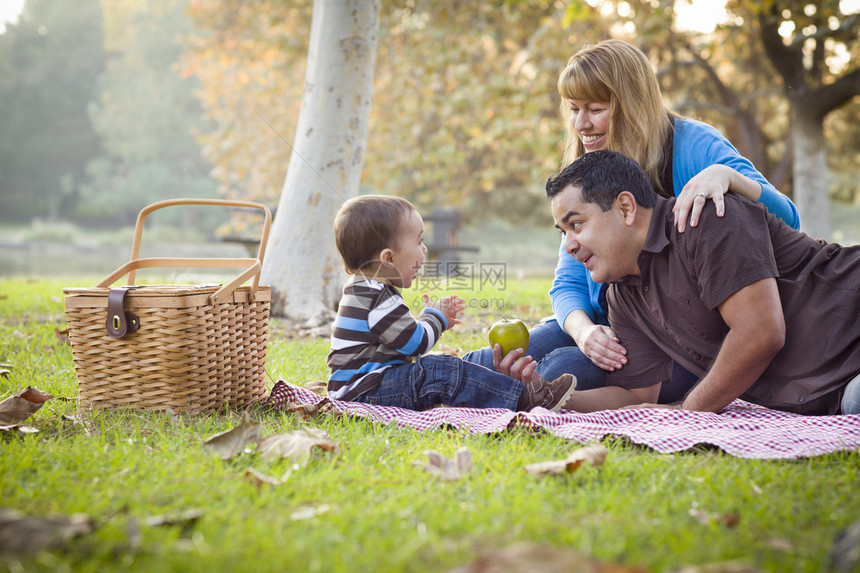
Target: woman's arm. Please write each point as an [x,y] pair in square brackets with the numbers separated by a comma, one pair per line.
[706,162]
[713,182]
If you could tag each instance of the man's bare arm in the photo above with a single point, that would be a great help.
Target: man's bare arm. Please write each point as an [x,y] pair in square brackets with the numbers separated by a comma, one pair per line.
[756,333]
[611,398]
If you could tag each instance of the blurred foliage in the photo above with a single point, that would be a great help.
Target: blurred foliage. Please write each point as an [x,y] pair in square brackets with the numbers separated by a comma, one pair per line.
[465,110]
[727,79]
[112,105]
[465,105]
[96,123]
[146,115]
[49,62]
[249,57]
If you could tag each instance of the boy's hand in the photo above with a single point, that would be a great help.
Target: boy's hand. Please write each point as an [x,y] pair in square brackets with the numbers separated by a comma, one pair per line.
[450,306]
[515,364]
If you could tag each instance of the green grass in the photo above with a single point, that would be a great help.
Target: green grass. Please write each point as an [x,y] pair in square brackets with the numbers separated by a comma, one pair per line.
[377,510]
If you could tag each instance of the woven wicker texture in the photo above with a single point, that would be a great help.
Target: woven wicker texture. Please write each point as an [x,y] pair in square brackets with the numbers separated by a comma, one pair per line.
[197,348]
[188,354]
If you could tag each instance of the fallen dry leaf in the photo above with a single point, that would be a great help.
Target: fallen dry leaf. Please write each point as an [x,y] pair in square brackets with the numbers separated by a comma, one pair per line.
[19,428]
[5,372]
[73,420]
[305,412]
[22,405]
[309,512]
[595,455]
[450,469]
[62,335]
[780,544]
[132,533]
[233,442]
[317,387]
[447,350]
[260,479]
[536,558]
[27,534]
[296,446]
[184,518]
[730,519]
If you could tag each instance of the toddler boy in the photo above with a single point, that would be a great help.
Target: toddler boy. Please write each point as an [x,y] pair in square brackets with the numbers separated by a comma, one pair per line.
[377,346]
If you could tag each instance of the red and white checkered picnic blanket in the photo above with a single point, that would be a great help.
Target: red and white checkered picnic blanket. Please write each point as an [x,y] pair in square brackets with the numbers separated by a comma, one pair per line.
[742,429]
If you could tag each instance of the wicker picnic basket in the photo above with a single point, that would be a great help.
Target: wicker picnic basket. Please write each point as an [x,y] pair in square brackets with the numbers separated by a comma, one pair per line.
[183,348]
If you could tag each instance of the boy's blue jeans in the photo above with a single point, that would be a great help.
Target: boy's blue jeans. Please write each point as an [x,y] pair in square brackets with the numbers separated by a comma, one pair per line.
[436,379]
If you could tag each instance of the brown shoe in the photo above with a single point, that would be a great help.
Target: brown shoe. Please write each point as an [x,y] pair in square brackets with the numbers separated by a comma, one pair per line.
[552,395]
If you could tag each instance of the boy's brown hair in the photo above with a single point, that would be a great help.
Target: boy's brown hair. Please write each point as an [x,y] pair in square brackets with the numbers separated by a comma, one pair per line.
[366,225]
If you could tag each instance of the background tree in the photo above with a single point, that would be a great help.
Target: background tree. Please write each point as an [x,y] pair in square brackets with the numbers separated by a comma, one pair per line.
[49,62]
[465,109]
[250,59]
[328,154]
[474,125]
[804,41]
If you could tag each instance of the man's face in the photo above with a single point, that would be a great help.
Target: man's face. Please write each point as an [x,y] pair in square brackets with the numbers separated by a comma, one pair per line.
[600,240]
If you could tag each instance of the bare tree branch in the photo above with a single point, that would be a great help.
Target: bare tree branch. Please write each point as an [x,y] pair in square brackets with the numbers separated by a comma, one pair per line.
[823,32]
[788,60]
[829,97]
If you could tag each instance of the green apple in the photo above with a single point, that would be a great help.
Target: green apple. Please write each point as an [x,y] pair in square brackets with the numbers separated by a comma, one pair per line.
[510,334]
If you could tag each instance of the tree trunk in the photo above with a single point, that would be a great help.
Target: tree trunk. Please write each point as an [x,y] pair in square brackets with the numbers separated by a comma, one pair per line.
[302,265]
[810,174]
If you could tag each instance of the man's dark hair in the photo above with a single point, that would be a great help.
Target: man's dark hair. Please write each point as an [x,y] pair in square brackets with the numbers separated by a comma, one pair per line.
[601,176]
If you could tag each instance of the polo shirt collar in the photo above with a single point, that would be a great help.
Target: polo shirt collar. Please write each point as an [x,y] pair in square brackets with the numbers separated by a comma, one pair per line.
[657,238]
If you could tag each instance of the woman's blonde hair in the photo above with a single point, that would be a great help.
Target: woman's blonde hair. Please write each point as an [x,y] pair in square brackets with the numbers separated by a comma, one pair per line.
[613,71]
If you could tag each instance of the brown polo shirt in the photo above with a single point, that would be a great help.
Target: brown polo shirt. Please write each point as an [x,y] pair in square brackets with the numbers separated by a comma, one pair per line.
[670,312]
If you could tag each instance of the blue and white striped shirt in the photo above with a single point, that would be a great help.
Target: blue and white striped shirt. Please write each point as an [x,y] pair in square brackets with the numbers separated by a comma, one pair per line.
[374,330]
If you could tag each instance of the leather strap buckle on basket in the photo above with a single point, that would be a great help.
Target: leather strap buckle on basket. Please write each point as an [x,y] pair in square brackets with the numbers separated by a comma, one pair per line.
[172,347]
[119,322]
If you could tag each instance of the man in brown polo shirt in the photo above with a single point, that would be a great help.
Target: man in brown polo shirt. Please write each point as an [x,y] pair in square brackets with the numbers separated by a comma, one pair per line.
[754,308]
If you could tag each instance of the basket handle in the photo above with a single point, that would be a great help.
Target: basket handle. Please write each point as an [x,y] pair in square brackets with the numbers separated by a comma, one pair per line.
[138,232]
[253,270]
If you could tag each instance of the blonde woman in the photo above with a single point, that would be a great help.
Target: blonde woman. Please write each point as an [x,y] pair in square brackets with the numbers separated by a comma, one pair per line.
[611,100]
